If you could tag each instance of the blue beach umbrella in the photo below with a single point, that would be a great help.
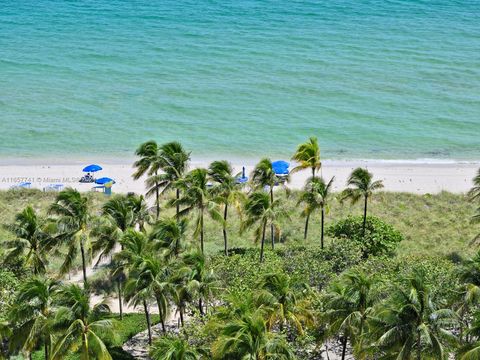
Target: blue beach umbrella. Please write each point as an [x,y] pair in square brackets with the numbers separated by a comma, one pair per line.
[92,168]
[280,167]
[104,180]
[243,179]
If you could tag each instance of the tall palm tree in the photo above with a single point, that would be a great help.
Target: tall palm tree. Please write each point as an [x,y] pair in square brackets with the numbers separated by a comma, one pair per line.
[197,197]
[264,177]
[259,211]
[247,337]
[285,304]
[32,315]
[174,161]
[84,327]
[135,247]
[348,303]
[227,190]
[308,156]
[362,185]
[173,348]
[73,219]
[149,163]
[32,239]
[169,235]
[412,324]
[200,280]
[315,196]
[152,277]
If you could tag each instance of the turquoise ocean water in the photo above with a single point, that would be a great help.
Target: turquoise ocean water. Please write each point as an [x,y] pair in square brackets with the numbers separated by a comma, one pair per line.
[376,79]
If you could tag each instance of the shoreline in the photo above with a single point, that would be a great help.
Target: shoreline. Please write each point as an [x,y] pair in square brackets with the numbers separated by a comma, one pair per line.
[414,176]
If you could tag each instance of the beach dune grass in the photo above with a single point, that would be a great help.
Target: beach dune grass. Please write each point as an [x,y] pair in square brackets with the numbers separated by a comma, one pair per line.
[431,224]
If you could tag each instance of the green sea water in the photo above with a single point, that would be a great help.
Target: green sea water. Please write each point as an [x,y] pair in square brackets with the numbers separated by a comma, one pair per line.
[376,79]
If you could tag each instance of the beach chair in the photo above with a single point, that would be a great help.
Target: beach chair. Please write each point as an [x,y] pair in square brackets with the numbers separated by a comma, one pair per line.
[53,188]
[22,185]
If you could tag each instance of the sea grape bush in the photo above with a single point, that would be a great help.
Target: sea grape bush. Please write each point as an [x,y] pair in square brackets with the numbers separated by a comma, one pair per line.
[380,238]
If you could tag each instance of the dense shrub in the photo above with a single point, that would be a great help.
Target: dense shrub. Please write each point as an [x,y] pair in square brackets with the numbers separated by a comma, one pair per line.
[8,285]
[380,238]
[391,273]
[241,271]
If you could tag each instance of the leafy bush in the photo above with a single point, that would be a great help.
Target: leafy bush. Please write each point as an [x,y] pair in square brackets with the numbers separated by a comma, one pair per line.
[391,273]
[8,285]
[241,271]
[380,238]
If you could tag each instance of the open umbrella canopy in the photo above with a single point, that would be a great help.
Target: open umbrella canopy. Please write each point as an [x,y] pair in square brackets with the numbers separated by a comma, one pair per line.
[104,180]
[92,168]
[280,167]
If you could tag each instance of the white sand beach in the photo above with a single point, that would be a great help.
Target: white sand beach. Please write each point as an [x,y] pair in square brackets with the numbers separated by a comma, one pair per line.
[402,176]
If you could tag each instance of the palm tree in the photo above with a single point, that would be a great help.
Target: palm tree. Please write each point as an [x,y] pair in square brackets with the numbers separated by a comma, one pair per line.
[120,214]
[200,280]
[411,324]
[469,292]
[32,315]
[84,327]
[32,238]
[72,210]
[308,156]
[260,210]
[149,163]
[285,304]
[197,197]
[169,235]
[315,196]
[362,185]
[174,164]
[151,277]
[247,337]
[348,303]
[173,348]
[474,192]
[227,190]
[135,247]
[263,176]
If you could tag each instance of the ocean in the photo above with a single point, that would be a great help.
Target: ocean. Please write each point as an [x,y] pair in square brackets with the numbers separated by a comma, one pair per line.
[373,79]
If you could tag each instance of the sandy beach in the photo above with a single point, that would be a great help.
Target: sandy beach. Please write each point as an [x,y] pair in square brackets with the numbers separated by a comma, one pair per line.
[402,176]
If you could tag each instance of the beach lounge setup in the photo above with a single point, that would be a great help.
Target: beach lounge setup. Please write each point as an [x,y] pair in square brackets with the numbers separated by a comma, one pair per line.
[88,178]
[22,185]
[105,184]
[242,179]
[53,187]
[280,167]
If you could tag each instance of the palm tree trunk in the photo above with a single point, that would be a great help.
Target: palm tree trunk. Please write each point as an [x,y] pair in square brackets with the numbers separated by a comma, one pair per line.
[263,240]
[47,356]
[85,355]
[181,314]
[225,214]
[306,227]
[161,314]
[157,197]
[364,216]
[344,346]
[84,265]
[323,228]
[200,306]
[271,224]
[120,304]
[149,325]
[313,173]
[419,349]
[178,205]
[201,230]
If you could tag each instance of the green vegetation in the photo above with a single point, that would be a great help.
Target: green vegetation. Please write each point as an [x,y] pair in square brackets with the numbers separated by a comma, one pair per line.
[395,276]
